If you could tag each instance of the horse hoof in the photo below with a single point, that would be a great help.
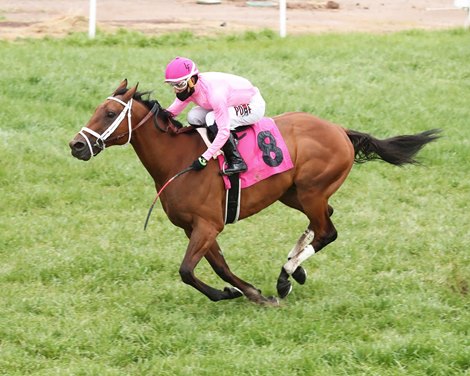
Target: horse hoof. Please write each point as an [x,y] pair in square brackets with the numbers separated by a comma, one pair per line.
[300,275]
[272,301]
[284,288]
[233,292]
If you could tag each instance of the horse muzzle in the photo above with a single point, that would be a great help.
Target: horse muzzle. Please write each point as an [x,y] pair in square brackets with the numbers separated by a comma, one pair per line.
[80,150]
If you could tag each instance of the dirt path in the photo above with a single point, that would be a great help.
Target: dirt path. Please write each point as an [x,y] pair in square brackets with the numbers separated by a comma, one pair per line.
[36,18]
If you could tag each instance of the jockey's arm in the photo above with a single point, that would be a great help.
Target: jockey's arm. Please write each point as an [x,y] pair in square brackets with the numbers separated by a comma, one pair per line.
[177,107]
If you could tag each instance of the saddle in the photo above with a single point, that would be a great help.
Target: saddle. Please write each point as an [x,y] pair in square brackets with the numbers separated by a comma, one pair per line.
[262,147]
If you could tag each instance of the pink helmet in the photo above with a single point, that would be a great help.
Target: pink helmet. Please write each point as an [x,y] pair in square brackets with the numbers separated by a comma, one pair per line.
[179,69]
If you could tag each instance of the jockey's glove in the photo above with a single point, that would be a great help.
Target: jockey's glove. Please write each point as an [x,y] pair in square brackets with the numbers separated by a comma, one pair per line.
[199,163]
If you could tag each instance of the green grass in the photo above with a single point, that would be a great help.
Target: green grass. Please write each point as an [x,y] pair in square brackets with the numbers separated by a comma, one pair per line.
[84,291]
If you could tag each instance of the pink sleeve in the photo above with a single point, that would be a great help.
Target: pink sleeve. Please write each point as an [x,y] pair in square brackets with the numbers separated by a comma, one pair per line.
[222,120]
[177,107]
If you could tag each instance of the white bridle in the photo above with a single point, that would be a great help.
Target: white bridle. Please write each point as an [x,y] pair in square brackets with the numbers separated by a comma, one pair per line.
[101,138]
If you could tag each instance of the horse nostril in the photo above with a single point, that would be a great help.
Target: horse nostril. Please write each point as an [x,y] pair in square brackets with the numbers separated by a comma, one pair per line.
[77,145]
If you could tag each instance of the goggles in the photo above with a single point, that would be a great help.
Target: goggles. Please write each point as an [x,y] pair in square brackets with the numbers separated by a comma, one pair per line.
[179,86]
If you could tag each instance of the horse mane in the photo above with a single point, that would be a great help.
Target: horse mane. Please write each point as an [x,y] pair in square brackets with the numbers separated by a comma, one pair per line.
[149,103]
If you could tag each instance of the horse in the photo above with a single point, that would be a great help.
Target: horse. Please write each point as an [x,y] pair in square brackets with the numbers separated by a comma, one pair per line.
[322,154]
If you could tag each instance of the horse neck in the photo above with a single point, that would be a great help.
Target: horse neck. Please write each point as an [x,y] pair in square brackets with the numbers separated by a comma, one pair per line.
[161,153]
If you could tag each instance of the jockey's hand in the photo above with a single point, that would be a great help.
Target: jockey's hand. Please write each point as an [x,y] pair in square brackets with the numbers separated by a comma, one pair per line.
[199,163]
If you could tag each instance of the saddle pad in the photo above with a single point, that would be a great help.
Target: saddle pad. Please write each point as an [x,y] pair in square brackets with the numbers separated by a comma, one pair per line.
[264,151]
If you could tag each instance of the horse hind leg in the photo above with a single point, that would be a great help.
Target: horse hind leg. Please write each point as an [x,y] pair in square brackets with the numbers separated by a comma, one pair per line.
[300,274]
[284,287]
[301,250]
[320,233]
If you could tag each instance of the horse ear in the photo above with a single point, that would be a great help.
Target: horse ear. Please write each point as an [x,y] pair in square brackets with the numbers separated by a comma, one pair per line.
[130,93]
[122,85]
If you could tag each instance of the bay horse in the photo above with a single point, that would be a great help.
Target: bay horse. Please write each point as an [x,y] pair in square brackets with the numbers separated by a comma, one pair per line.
[322,153]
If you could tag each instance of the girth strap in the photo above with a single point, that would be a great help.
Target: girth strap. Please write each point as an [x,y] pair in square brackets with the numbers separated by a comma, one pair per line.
[232,199]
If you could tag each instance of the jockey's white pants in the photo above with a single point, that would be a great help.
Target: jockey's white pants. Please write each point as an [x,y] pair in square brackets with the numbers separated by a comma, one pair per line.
[244,114]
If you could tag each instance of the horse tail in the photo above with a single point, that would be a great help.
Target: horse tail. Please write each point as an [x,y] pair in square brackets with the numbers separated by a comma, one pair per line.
[397,150]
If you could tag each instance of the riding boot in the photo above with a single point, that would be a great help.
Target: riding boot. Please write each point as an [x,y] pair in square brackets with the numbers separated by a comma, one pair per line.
[235,162]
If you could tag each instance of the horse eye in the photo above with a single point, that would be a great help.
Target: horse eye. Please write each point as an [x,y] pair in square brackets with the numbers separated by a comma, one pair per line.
[110,114]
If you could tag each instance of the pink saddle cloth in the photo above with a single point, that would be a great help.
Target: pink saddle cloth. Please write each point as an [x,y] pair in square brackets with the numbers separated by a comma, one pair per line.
[264,151]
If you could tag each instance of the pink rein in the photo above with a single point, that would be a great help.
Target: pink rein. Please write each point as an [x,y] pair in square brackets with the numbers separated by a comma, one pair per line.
[160,192]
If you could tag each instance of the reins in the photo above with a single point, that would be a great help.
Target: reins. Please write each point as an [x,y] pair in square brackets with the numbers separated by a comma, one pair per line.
[174,129]
[187,169]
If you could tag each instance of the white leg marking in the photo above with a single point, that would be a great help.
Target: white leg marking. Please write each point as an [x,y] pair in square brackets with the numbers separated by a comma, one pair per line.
[304,240]
[240,291]
[298,259]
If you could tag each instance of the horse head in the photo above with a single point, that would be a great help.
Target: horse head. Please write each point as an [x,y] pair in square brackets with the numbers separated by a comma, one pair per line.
[111,124]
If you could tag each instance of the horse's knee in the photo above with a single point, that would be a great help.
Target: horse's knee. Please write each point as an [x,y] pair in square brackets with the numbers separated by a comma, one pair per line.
[186,275]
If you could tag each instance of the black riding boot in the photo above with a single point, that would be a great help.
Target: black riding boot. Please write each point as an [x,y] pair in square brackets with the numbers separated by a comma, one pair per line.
[235,162]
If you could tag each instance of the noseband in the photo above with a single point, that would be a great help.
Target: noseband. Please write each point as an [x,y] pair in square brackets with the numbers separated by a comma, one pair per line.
[101,138]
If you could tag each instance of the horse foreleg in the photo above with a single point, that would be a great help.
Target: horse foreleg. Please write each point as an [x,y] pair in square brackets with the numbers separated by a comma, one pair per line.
[219,265]
[202,243]
[199,244]
[217,260]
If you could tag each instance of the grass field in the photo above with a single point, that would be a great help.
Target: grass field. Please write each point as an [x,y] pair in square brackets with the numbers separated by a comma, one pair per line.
[85,291]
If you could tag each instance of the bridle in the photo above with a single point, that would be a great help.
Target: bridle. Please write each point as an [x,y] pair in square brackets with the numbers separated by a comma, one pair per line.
[101,138]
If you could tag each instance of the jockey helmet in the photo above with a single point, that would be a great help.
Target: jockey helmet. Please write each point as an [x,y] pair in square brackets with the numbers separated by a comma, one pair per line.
[180,69]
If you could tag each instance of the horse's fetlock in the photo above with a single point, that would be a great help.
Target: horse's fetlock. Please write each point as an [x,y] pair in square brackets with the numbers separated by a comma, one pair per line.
[332,236]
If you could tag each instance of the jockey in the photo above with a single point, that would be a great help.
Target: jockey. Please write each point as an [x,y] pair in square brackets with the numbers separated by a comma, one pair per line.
[224,102]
